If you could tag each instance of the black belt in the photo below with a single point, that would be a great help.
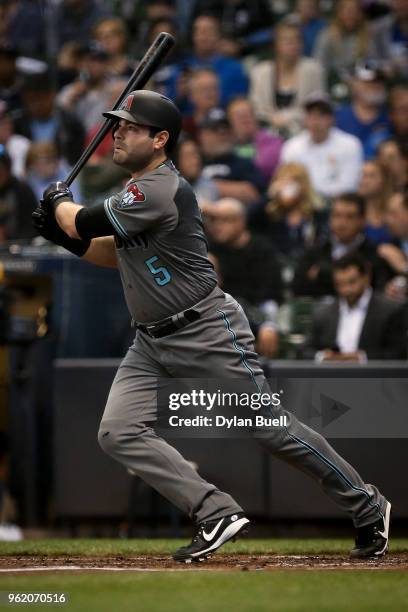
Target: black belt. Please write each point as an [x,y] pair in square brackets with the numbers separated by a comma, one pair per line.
[170,325]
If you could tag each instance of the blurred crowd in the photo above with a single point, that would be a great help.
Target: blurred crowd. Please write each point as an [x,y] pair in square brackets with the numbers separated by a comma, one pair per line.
[295,140]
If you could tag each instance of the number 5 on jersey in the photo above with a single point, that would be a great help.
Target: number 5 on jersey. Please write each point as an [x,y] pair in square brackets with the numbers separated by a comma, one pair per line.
[161,275]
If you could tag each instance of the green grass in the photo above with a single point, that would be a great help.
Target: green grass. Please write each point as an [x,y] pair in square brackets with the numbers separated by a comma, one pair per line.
[300,591]
[205,591]
[156,547]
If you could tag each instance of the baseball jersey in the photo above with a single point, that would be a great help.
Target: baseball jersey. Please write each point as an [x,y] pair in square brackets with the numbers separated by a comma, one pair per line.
[160,244]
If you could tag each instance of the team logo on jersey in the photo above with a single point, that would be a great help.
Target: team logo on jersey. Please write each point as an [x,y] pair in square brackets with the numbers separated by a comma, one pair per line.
[132,195]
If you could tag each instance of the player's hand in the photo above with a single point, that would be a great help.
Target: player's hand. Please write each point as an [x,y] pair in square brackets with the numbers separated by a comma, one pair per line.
[46,225]
[55,194]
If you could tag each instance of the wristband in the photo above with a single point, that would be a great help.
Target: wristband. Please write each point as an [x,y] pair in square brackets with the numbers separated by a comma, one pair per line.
[75,246]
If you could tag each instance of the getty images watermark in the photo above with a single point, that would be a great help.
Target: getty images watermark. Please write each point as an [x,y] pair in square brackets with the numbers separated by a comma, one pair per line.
[219,400]
[374,406]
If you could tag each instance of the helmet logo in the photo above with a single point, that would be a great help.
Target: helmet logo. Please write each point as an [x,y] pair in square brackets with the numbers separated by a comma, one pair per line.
[127,104]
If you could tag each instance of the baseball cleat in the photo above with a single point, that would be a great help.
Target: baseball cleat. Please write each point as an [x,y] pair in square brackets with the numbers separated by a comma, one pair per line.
[210,535]
[372,540]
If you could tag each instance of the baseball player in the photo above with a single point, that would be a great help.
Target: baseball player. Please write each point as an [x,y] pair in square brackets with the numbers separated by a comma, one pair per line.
[186,326]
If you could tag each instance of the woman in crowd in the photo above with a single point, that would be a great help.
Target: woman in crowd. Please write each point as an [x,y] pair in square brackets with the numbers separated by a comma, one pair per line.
[279,87]
[344,42]
[375,189]
[291,215]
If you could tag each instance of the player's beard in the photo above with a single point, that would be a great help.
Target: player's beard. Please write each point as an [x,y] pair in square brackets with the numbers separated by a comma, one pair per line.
[132,162]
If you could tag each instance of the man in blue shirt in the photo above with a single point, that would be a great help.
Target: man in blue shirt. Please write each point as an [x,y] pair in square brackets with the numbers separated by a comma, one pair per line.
[312,22]
[366,117]
[206,39]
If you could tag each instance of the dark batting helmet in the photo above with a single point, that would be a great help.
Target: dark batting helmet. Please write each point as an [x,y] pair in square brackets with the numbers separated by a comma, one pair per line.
[151,109]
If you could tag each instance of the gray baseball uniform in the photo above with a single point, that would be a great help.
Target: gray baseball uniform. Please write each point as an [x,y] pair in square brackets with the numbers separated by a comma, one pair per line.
[164,268]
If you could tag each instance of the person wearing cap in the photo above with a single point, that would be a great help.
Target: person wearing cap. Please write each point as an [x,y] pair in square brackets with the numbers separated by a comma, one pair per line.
[332,157]
[366,117]
[234,176]
[88,96]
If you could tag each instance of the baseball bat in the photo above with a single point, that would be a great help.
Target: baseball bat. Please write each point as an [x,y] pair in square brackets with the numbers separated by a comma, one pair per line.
[144,70]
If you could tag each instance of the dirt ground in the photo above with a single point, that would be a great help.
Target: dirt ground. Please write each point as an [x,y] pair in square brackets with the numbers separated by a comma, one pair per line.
[218,562]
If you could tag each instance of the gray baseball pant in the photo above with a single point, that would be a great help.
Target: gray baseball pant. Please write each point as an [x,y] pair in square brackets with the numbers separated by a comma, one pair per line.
[218,345]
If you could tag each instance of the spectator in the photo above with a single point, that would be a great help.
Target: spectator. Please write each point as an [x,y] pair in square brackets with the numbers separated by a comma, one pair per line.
[41,119]
[313,275]
[10,79]
[167,79]
[260,145]
[17,202]
[204,94]
[390,38]
[76,20]
[375,189]
[366,117]
[332,157]
[112,34]
[289,219]
[312,22]
[235,177]
[398,109]
[44,167]
[344,42]
[206,54]
[360,324]
[391,156]
[189,161]
[22,26]
[88,96]
[280,86]
[15,144]
[245,24]
[248,269]
[397,256]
